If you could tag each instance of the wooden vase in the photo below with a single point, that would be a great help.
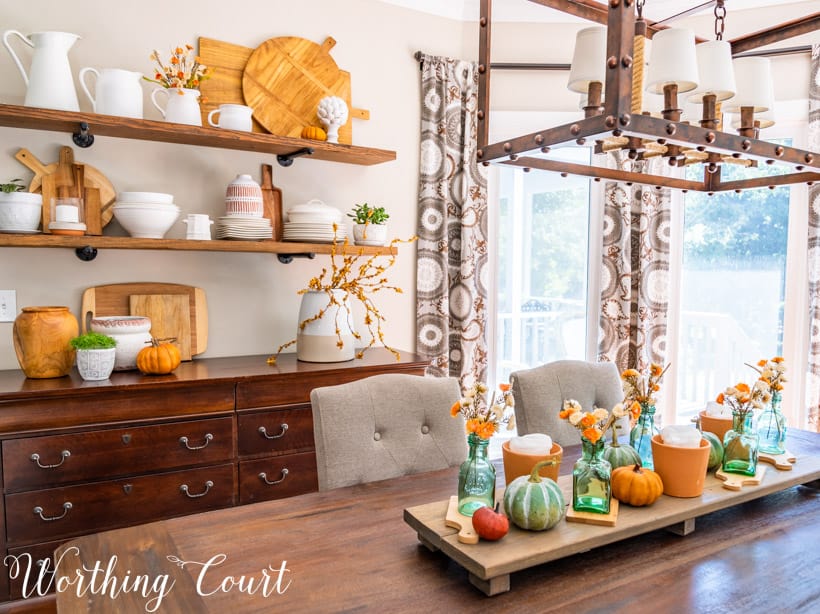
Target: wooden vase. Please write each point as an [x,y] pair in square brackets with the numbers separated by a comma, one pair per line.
[41,341]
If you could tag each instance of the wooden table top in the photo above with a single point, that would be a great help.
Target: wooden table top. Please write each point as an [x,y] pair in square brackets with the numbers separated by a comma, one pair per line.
[349,549]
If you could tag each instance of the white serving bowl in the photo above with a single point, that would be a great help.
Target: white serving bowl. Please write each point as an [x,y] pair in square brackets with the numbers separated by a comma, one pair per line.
[146,206]
[145,197]
[146,222]
[20,212]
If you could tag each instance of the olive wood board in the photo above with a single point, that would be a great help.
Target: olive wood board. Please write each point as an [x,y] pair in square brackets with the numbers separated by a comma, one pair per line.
[464,524]
[603,520]
[114,300]
[490,563]
[736,481]
[170,318]
[783,462]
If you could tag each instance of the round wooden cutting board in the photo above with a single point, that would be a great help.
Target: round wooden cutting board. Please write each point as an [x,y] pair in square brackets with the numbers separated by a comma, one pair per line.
[286,77]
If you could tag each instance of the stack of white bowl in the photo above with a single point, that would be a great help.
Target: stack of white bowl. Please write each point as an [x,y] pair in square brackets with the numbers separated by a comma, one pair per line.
[146,215]
[244,209]
[312,222]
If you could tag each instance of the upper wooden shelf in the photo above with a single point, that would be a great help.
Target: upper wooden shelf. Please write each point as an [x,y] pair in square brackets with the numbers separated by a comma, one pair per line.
[147,130]
[216,245]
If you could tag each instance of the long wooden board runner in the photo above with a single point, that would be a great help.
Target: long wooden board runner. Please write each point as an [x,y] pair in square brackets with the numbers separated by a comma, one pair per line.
[491,563]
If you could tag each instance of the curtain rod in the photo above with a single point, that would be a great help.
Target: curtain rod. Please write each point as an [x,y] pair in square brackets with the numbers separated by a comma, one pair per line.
[550,66]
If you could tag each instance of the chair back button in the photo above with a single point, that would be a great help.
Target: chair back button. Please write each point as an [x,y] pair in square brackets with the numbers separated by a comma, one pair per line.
[425,429]
[377,436]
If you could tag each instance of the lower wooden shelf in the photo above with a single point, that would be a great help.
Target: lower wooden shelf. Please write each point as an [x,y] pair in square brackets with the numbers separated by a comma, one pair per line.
[491,563]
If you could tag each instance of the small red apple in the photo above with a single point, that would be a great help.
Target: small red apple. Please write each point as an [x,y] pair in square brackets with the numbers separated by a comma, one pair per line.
[490,524]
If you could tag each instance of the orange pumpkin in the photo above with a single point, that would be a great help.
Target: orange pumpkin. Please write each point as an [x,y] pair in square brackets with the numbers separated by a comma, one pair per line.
[314,132]
[636,485]
[159,358]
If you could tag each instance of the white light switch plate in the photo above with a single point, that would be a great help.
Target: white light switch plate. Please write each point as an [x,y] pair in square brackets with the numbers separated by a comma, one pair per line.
[8,305]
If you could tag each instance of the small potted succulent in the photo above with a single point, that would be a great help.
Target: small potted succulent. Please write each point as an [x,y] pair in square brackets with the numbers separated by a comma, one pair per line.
[20,211]
[370,227]
[95,355]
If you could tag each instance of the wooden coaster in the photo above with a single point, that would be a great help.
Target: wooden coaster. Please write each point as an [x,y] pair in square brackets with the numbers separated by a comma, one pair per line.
[735,481]
[783,461]
[457,520]
[604,520]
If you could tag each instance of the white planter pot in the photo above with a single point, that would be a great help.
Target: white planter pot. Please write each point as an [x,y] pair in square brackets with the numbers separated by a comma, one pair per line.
[95,365]
[132,334]
[20,211]
[318,341]
[370,234]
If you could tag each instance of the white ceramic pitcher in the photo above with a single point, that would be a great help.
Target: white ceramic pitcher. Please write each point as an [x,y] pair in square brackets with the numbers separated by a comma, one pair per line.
[118,91]
[49,80]
[182,106]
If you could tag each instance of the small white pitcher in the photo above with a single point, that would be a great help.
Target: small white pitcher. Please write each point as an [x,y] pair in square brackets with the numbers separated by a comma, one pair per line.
[50,81]
[199,226]
[182,106]
[118,91]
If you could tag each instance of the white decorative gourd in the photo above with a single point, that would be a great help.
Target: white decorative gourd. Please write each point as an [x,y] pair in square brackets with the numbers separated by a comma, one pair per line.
[332,112]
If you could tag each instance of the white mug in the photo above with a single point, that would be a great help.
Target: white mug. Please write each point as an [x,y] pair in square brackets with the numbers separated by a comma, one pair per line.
[199,226]
[232,117]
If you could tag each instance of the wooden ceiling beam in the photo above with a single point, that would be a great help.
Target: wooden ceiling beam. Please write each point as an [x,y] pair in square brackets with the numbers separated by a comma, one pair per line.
[777,33]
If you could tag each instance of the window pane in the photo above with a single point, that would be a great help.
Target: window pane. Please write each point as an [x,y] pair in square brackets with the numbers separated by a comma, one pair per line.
[732,287]
[543,244]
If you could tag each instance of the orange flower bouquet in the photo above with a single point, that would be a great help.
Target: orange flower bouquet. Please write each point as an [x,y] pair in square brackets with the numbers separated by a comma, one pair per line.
[183,70]
[592,425]
[485,419]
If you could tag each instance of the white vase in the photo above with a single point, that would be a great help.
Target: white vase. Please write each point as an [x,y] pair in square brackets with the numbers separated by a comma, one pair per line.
[318,340]
[370,234]
[132,334]
[182,105]
[96,365]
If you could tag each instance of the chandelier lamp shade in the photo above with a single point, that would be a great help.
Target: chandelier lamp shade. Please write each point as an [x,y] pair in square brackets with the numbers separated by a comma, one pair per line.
[702,79]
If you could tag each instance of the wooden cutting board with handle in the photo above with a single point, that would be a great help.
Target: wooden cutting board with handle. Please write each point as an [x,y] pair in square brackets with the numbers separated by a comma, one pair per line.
[170,317]
[226,86]
[92,178]
[115,300]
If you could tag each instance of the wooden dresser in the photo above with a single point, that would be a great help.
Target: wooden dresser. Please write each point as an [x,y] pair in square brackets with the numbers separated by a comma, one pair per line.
[81,457]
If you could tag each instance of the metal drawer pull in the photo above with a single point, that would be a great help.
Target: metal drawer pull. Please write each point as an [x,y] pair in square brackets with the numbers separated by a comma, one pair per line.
[264,432]
[35,458]
[184,441]
[208,486]
[39,512]
[264,477]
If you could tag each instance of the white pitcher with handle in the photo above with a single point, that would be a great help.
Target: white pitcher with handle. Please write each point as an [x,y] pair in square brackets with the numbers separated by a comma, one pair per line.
[118,91]
[50,81]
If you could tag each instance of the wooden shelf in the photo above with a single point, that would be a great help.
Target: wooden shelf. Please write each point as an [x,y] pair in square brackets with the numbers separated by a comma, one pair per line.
[102,242]
[14,116]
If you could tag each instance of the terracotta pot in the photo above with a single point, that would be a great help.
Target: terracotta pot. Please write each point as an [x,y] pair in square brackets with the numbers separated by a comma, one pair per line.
[718,426]
[41,341]
[683,470]
[517,464]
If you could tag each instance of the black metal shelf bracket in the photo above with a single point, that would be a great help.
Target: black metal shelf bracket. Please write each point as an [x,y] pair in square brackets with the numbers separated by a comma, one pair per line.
[287,159]
[87,253]
[83,137]
[288,258]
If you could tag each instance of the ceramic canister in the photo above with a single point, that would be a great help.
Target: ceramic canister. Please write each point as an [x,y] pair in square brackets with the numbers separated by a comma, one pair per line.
[243,197]
[132,334]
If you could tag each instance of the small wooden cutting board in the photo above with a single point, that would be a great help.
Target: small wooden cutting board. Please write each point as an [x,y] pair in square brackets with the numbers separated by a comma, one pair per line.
[170,317]
[457,520]
[736,481]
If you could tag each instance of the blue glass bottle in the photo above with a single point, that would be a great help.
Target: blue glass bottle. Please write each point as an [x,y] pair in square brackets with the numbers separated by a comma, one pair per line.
[640,437]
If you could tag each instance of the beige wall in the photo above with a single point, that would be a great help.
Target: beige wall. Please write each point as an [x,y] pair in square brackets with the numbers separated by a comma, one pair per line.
[251,297]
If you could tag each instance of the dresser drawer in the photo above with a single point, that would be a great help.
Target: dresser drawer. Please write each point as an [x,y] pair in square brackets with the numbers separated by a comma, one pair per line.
[277,477]
[30,559]
[276,431]
[52,460]
[55,513]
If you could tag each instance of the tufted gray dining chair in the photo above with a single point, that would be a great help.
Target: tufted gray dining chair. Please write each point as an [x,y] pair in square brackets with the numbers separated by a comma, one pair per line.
[385,426]
[540,392]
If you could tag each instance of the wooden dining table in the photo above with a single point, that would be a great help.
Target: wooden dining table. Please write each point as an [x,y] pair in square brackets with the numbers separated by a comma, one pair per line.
[349,550]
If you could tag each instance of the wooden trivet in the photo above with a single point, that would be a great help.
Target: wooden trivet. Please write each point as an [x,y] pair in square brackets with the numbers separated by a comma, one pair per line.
[604,520]
[783,461]
[735,481]
[457,520]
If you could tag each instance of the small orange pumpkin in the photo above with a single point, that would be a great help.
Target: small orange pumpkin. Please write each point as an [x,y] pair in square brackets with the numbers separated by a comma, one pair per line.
[636,485]
[159,358]
[314,132]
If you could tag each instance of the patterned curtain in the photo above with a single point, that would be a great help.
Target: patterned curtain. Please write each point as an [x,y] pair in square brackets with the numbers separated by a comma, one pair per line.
[635,270]
[813,379]
[451,291]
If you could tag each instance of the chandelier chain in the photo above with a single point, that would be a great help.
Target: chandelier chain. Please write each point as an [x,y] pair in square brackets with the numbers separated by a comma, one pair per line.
[720,19]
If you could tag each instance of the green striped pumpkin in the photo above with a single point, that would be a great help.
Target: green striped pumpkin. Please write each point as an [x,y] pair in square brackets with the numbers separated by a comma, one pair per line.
[621,455]
[715,451]
[534,503]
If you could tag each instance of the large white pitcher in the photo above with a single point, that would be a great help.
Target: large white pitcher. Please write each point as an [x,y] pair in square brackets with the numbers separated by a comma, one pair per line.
[50,81]
[118,91]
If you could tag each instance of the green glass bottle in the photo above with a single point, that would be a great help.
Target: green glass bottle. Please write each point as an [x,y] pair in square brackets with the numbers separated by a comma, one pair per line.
[476,478]
[771,427]
[591,486]
[740,445]
[640,437]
